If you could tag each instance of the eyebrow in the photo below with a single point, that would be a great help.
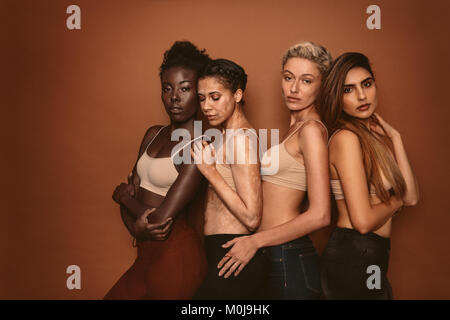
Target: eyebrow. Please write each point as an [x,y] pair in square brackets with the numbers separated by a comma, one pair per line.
[352,84]
[304,74]
[181,82]
[209,93]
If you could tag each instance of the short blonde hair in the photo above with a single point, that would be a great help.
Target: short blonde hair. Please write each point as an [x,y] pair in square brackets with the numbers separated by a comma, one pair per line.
[312,52]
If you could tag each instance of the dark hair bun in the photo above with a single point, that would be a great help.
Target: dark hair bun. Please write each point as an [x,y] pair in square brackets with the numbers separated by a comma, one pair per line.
[231,75]
[184,54]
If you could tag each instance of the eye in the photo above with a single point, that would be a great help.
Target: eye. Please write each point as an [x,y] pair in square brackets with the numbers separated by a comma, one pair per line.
[201,98]
[368,83]
[347,90]
[307,81]
[185,89]
[215,98]
[166,89]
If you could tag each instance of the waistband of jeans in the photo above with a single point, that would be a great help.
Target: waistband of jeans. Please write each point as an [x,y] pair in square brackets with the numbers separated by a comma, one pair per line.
[352,233]
[299,243]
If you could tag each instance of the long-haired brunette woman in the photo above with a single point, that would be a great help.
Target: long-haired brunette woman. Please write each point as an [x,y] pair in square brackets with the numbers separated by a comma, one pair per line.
[167,266]
[302,160]
[234,196]
[371,179]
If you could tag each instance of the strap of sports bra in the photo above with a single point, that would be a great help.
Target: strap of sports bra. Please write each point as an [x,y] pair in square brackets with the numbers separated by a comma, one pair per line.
[154,138]
[336,131]
[302,124]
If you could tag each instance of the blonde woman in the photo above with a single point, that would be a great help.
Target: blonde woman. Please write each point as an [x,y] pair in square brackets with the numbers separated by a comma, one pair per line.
[371,179]
[302,159]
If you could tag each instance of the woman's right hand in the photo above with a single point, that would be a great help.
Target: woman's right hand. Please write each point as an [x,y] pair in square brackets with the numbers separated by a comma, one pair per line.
[148,231]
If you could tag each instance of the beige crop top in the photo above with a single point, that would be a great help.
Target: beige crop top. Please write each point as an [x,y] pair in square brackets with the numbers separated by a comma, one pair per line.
[290,173]
[158,174]
[336,187]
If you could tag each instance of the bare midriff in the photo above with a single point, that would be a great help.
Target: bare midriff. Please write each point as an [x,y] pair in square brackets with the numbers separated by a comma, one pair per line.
[344,218]
[280,205]
[218,219]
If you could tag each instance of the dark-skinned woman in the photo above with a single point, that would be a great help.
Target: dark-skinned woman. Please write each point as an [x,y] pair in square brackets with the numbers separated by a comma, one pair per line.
[170,261]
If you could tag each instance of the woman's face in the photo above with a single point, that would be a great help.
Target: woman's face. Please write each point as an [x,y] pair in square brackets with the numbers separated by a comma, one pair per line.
[359,98]
[216,101]
[300,83]
[179,93]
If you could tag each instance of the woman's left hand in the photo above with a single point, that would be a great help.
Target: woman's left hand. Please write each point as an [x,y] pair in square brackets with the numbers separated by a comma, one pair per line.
[204,156]
[377,124]
[243,250]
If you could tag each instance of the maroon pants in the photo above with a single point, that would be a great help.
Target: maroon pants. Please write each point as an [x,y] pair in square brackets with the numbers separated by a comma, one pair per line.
[170,269]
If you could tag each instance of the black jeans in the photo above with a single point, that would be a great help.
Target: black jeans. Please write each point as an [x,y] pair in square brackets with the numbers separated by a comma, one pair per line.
[355,265]
[247,285]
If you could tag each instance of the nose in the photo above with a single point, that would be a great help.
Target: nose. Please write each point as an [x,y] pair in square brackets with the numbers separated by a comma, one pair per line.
[205,105]
[294,87]
[174,97]
[361,94]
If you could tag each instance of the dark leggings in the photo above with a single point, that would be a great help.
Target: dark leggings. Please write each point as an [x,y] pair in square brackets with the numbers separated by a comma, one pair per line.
[170,269]
[345,266]
[247,285]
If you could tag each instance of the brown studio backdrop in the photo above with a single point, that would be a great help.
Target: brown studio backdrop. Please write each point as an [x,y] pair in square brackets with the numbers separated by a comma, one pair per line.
[76,104]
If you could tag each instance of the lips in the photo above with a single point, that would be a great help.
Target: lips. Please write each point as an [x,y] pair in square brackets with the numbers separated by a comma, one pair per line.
[364,107]
[176,110]
[293,99]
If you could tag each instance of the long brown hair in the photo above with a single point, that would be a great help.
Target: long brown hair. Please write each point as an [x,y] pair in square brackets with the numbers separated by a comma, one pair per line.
[376,149]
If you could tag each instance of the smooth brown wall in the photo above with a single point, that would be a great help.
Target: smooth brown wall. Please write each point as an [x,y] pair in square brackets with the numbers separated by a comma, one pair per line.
[75,105]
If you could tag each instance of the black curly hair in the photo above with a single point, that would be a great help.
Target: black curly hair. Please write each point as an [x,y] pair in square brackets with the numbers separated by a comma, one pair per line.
[231,75]
[184,54]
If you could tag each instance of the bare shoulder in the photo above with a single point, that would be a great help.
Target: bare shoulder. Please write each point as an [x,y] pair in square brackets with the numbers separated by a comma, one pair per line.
[313,126]
[344,137]
[153,130]
[312,131]
[344,143]
[148,136]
